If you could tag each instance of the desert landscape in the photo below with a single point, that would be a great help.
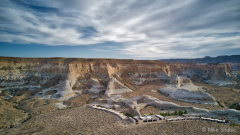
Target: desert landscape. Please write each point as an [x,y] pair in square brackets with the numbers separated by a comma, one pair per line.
[119,67]
[52,95]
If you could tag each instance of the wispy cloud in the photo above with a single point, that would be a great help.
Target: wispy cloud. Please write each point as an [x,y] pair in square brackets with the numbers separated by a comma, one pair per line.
[156,28]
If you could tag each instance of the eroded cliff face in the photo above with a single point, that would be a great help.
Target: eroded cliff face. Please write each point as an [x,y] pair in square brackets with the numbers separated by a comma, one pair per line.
[29,75]
[209,73]
[183,89]
[71,76]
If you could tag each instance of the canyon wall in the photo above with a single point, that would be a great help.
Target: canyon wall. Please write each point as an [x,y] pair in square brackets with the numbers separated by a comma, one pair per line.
[64,74]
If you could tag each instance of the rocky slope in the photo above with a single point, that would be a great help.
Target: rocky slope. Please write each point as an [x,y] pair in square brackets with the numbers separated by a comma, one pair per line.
[65,78]
[30,83]
[183,89]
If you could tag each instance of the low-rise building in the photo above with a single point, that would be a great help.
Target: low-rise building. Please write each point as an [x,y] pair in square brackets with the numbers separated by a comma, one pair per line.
[160,117]
[153,118]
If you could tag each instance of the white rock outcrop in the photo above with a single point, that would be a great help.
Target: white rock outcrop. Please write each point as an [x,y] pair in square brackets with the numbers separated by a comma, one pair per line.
[115,87]
[183,89]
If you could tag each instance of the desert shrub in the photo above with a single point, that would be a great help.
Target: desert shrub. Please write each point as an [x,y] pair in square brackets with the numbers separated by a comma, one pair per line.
[176,113]
[185,112]
[234,124]
[180,113]
[163,114]
[220,104]
[130,114]
[234,107]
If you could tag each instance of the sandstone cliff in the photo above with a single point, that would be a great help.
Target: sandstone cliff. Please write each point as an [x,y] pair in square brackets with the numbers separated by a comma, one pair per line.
[73,76]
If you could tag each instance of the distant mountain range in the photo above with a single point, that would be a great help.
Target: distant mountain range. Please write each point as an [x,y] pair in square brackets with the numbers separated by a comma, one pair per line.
[208,59]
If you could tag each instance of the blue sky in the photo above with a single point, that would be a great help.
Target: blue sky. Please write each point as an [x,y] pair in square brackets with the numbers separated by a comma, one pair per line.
[126,29]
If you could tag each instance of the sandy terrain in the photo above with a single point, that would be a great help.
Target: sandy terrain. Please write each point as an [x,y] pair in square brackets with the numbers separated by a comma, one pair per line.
[82,120]
[78,101]
[149,110]
[66,79]
[9,115]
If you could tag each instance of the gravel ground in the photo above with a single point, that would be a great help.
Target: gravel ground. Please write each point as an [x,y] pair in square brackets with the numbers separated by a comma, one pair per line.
[82,120]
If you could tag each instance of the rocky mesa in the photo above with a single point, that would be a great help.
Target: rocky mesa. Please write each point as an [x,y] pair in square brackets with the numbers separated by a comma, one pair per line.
[64,78]
[42,84]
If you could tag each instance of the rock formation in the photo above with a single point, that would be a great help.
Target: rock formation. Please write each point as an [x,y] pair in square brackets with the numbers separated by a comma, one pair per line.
[71,77]
[75,82]
[116,87]
[183,89]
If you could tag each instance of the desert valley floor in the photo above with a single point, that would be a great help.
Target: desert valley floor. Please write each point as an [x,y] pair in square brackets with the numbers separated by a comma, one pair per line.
[52,95]
[81,120]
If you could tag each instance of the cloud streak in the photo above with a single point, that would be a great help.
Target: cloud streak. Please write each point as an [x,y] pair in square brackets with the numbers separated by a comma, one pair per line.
[190,28]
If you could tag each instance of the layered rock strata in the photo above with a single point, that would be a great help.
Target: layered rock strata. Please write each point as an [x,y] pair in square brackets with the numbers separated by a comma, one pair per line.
[70,77]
